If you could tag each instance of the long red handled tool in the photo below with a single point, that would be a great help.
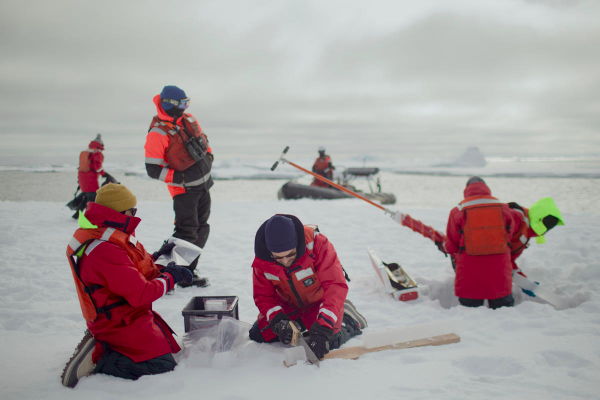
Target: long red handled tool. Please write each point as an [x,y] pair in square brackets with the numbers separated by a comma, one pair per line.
[402,219]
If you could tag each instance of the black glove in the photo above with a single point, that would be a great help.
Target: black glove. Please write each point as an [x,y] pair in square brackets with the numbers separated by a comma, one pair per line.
[108,178]
[512,204]
[165,249]
[320,337]
[441,248]
[453,261]
[178,272]
[280,325]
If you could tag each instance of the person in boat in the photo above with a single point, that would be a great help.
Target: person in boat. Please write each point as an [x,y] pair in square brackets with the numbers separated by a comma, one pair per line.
[482,262]
[324,167]
[89,171]
[297,276]
[117,281]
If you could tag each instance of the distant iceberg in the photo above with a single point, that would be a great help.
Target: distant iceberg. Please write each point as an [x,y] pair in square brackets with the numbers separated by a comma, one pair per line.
[472,157]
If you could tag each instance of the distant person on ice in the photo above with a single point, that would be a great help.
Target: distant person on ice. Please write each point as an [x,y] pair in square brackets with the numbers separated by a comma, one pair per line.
[116,282]
[324,167]
[90,169]
[478,239]
[298,276]
[178,153]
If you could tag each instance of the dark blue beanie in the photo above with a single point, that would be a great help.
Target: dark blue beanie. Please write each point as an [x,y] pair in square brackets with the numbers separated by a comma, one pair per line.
[474,179]
[171,92]
[280,234]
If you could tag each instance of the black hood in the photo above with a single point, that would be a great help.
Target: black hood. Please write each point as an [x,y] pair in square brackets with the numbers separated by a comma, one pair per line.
[260,243]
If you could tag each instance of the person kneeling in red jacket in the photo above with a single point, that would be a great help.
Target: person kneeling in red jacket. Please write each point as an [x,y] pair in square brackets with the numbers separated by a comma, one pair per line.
[297,276]
[117,281]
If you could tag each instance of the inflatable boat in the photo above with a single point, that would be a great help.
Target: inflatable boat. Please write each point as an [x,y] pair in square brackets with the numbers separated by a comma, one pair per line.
[295,190]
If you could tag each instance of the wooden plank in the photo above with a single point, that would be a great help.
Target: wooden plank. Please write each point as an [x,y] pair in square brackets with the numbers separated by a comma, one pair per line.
[355,352]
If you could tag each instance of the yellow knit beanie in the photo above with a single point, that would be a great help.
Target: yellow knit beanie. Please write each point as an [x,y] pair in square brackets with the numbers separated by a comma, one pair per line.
[116,197]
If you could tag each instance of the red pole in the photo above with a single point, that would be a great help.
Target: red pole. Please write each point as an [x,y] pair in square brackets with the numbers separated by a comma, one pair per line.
[343,189]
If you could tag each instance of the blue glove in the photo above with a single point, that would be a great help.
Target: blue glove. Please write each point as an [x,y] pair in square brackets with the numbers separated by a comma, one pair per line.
[165,249]
[179,273]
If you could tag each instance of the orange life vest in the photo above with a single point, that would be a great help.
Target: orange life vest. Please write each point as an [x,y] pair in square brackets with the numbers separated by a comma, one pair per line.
[484,232]
[520,239]
[84,159]
[78,246]
[302,287]
[176,155]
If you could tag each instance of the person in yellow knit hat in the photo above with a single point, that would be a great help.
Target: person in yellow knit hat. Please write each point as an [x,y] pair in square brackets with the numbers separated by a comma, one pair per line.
[116,282]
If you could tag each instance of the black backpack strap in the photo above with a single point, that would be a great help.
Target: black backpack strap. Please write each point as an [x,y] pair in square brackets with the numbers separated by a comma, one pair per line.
[106,309]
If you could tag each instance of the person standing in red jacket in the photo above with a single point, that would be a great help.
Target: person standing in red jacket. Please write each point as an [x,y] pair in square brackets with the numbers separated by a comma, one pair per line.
[117,282]
[478,239]
[297,276]
[89,170]
[178,153]
[324,167]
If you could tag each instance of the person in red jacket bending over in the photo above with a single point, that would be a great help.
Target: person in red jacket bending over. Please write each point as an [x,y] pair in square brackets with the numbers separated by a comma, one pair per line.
[297,276]
[478,239]
[89,170]
[178,153]
[116,282]
[324,167]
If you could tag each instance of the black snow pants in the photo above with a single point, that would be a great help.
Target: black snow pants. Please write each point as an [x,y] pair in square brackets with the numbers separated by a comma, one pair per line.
[116,364]
[192,210]
[507,301]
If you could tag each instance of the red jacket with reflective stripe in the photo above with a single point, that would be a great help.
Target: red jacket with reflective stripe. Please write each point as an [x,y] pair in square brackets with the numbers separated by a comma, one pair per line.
[523,233]
[323,167]
[314,286]
[88,174]
[484,276]
[134,329]
[157,142]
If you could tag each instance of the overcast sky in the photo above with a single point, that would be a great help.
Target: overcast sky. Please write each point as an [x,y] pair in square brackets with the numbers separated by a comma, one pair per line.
[396,77]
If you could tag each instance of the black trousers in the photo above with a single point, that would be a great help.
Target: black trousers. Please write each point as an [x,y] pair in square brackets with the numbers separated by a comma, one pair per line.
[192,210]
[507,301]
[116,364]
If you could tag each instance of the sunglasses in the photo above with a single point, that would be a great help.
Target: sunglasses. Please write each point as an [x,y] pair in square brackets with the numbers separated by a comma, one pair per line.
[132,210]
[182,104]
[278,258]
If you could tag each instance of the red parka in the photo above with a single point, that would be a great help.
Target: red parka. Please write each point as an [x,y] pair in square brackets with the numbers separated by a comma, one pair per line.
[323,167]
[313,289]
[90,166]
[479,276]
[133,330]
[523,233]
[157,142]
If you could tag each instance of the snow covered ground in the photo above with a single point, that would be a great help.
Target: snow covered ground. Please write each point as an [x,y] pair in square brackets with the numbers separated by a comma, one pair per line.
[530,351]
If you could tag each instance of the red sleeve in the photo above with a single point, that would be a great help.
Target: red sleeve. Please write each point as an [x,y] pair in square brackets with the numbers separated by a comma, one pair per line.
[455,220]
[96,160]
[122,278]
[264,293]
[155,148]
[331,275]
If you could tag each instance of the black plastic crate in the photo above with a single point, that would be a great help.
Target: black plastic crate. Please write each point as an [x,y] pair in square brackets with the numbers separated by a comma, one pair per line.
[196,316]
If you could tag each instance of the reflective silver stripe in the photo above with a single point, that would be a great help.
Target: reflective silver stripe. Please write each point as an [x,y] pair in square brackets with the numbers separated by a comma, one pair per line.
[163,174]
[272,310]
[271,277]
[159,161]
[172,132]
[331,314]
[523,239]
[191,119]
[100,170]
[175,184]
[478,202]
[164,284]
[310,245]
[107,234]
[158,130]
[198,181]
[92,246]
[304,273]
[74,243]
